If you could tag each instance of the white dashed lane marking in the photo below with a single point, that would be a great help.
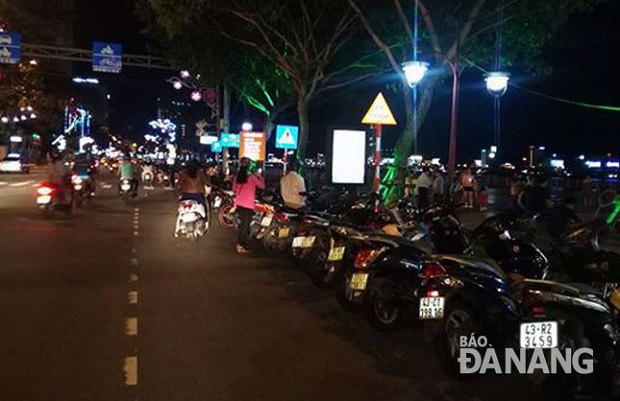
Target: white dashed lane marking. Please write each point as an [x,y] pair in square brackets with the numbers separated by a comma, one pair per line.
[132,297]
[133,278]
[131,326]
[130,369]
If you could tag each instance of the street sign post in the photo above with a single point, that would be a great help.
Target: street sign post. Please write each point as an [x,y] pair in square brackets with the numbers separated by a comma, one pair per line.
[252,145]
[287,137]
[229,140]
[216,147]
[10,47]
[378,114]
[107,57]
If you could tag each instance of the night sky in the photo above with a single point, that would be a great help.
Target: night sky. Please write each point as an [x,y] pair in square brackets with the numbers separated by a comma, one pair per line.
[580,54]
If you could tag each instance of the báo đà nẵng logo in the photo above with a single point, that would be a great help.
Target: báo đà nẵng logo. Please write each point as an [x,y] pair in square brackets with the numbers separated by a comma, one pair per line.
[476,355]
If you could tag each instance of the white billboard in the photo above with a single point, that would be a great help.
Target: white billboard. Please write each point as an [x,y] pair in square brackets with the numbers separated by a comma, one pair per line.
[349,157]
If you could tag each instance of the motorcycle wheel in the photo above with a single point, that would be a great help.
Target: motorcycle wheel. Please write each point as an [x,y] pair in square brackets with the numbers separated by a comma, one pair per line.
[271,242]
[316,264]
[225,217]
[344,295]
[459,321]
[381,306]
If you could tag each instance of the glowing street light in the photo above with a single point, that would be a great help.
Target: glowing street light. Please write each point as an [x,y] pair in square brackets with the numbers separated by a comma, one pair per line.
[5,119]
[33,116]
[497,82]
[185,74]
[414,71]
[177,85]
[246,126]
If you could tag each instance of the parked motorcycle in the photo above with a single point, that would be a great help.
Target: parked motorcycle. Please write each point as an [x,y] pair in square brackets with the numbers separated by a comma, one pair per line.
[463,296]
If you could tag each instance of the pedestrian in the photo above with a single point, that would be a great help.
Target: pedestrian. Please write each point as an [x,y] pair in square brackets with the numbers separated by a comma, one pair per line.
[293,186]
[438,188]
[483,198]
[244,185]
[468,182]
[424,185]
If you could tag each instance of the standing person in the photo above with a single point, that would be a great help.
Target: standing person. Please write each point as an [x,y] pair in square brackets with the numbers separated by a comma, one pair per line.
[468,182]
[439,187]
[483,199]
[293,187]
[244,185]
[424,184]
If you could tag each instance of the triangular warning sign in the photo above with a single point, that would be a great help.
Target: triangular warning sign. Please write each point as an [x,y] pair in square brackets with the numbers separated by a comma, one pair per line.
[379,112]
[287,138]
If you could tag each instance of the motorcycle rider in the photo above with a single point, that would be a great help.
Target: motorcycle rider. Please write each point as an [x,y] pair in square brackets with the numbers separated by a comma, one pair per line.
[82,168]
[58,176]
[126,172]
[192,185]
[147,168]
[293,187]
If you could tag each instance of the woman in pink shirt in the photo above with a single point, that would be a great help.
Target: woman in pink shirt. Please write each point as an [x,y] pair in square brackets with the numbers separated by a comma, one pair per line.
[245,185]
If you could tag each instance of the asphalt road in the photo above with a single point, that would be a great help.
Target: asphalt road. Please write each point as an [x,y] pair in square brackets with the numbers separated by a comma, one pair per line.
[107,305]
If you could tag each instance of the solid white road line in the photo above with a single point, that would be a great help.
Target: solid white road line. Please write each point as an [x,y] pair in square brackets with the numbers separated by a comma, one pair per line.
[131,326]
[131,370]
[132,297]
[21,184]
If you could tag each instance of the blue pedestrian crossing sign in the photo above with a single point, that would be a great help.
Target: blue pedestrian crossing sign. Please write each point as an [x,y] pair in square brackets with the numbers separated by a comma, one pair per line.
[287,137]
[107,57]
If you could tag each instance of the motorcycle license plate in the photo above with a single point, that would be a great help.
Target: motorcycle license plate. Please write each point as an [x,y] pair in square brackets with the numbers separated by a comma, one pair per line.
[188,217]
[359,281]
[266,221]
[336,254]
[284,232]
[539,335]
[303,242]
[432,308]
[44,200]
[217,202]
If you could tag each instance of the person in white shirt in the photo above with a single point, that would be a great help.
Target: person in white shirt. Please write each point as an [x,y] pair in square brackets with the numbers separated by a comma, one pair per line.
[424,184]
[293,187]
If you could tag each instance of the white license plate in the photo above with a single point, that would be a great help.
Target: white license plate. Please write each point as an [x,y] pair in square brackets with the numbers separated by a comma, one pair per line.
[432,308]
[44,200]
[266,221]
[188,217]
[284,232]
[539,335]
[125,187]
[303,242]
[217,202]
[336,254]
[359,281]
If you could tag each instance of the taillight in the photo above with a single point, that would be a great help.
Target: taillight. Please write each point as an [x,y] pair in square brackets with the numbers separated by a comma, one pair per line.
[365,257]
[532,301]
[432,294]
[45,190]
[186,205]
[433,269]
[281,217]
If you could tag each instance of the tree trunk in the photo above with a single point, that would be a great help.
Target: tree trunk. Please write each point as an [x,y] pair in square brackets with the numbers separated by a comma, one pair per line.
[405,142]
[304,126]
[269,125]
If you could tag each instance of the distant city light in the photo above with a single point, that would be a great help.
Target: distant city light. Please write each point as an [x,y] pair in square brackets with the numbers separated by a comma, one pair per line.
[185,74]
[246,126]
[33,116]
[593,164]
[33,62]
[177,85]
[492,155]
[196,96]
[24,118]
[582,157]
[16,139]
[612,164]
[93,81]
[494,149]
[541,148]
[5,120]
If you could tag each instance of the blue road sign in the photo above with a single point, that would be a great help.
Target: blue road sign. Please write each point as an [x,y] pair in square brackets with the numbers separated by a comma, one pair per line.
[216,147]
[230,140]
[287,137]
[107,57]
[10,47]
